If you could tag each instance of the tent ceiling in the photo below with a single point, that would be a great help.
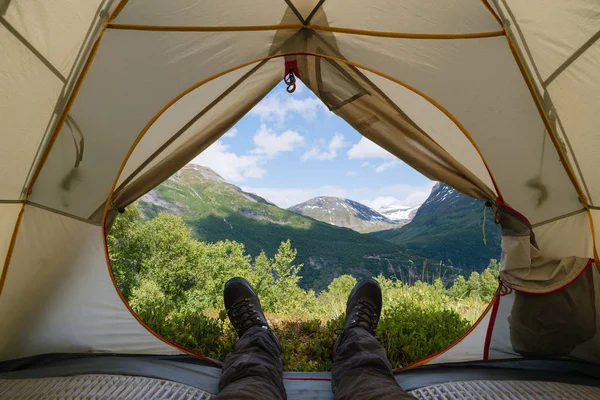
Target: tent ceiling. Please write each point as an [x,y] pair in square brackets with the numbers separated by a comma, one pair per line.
[416,16]
[193,12]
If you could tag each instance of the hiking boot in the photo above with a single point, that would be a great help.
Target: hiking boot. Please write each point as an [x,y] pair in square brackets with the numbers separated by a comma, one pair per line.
[243,306]
[364,306]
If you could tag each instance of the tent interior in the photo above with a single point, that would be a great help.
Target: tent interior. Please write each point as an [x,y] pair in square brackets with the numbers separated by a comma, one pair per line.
[102,100]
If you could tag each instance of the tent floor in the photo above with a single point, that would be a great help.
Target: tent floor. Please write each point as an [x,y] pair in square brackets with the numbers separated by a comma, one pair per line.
[182,377]
[135,387]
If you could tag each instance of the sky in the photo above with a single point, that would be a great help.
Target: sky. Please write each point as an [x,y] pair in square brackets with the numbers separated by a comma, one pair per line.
[290,148]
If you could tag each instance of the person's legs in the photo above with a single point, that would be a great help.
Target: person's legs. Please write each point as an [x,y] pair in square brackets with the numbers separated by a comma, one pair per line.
[254,370]
[361,369]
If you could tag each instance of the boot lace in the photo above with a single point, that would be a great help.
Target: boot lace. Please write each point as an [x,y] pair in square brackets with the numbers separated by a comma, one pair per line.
[243,315]
[366,316]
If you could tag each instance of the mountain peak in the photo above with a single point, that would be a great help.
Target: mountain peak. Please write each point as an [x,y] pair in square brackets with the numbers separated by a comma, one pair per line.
[201,170]
[345,213]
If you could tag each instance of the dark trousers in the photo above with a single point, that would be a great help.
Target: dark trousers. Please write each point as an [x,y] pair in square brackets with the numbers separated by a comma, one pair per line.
[360,370]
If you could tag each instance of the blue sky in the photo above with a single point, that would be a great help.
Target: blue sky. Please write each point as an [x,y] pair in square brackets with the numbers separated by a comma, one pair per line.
[291,148]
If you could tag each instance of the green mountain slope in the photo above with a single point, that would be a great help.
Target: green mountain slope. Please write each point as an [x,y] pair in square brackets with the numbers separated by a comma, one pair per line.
[217,210]
[448,227]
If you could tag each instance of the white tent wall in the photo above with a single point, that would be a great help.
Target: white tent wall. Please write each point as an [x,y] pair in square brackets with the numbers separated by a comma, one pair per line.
[59,296]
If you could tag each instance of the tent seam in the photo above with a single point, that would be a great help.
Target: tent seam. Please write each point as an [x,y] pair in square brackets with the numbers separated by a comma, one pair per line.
[314,11]
[558,218]
[32,49]
[295,11]
[489,8]
[569,61]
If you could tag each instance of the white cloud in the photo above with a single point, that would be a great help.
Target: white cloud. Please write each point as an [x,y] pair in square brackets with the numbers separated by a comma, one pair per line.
[388,164]
[277,106]
[269,143]
[328,153]
[408,195]
[367,149]
[352,173]
[231,133]
[230,166]
[237,168]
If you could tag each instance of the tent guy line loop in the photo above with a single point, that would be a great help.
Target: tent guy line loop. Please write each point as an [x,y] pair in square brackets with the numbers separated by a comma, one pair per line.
[351,31]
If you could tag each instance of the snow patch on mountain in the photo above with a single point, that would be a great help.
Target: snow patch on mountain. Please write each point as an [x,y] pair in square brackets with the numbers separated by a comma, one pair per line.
[394,210]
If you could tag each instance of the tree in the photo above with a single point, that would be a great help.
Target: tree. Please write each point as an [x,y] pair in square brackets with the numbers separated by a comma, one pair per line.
[125,252]
[287,294]
[460,288]
[169,255]
[334,299]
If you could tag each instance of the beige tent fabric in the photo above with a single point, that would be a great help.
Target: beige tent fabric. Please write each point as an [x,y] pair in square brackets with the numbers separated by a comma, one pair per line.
[558,43]
[523,266]
[461,16]
[202,134]
[59,296]
[569,236]
[377,120]
[255,81]
[177,116]
[194,13]
[478,82]
[437,125]
[28,93]
[121,93]
[553,29]
[8,217]
[577,102]
[55,28]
